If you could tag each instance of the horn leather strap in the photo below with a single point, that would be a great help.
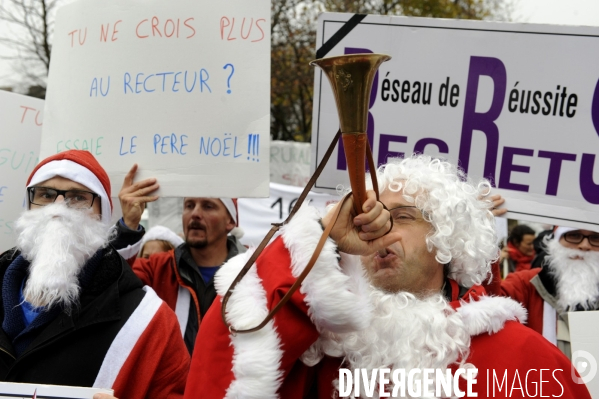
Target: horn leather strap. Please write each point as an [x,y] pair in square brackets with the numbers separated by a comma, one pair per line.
[300,278]
[277,226]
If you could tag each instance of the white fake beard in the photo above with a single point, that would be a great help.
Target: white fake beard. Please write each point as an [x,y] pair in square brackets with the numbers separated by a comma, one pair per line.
[405,333]
[58,241]
[577,279]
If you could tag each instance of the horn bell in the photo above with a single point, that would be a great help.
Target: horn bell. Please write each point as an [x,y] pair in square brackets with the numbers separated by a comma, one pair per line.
[351,77]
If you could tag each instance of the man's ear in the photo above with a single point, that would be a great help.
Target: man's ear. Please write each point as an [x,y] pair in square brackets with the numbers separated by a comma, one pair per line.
[231,225]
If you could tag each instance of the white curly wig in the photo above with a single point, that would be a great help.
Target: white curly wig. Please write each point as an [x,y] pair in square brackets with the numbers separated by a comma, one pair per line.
[463,228]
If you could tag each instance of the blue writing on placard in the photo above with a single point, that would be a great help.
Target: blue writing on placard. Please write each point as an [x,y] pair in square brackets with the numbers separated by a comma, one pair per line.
[162,82]
[128,149]
[170,144]
[98,85]
[220,147]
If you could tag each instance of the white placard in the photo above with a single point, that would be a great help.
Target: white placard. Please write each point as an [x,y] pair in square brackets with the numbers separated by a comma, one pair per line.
[256,215]
[585,347]
[454,89]
[180,87]
[290,163]
[39,391]
[20,126]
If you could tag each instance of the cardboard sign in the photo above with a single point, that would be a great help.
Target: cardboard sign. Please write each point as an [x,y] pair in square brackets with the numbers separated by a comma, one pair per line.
[256,215]
[20,126]
[585,348]
[38,391]
[290,163]
[515,103]
[180,87]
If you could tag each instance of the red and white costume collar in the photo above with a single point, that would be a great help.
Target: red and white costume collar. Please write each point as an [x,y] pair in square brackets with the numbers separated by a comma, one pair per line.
[336,295]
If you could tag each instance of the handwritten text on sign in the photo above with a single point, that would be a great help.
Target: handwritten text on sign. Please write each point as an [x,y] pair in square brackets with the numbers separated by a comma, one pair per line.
[21,126]
[479,98]
[181,88]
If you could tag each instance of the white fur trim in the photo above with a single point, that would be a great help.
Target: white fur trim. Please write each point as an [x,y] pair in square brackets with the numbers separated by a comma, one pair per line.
[230,205]
[257,355]
[237,232]
[182,308]
[336,301]
[77,173]
[130,251]
[489,314]
[125,340]
[164,234]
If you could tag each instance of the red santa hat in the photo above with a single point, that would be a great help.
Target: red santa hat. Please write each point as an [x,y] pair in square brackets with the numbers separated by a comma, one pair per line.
[231,205]
[81,167]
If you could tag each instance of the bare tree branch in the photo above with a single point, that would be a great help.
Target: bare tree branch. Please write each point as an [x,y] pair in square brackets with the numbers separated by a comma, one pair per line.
[31,24]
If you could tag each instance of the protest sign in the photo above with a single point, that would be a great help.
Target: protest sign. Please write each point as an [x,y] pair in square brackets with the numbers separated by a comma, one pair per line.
[21,126]
[290,163]
[180,87]
[585,348]
[515,103]
[256,215]
[39,391]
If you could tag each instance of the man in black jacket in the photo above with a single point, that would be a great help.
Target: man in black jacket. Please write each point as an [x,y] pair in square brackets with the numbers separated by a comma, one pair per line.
[73,312]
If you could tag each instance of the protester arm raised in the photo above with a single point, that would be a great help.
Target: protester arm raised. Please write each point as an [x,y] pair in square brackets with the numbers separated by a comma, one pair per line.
[134,196]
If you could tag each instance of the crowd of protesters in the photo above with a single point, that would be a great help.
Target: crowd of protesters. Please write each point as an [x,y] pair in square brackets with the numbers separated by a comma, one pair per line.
[413,282]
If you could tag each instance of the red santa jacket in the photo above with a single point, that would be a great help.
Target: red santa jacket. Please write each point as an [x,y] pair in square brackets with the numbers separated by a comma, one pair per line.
[134,371]
[518,286]
[273,361]
[513,361]
[160,272]
[123,337]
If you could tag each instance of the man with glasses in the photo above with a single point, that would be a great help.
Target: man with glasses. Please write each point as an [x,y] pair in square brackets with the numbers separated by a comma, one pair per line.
[568,281]
[72,310]
[406,298]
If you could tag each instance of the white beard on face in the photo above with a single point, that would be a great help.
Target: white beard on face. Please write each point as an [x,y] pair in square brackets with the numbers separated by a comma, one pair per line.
[405,333]
[577,279]
[58,241]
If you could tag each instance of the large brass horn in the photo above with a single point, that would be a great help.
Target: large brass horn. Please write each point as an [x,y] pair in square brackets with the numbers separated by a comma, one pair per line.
[351,78]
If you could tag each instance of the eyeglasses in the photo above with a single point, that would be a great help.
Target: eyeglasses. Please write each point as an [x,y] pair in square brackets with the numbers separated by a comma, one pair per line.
[405,214]
[79,199]
[574,237]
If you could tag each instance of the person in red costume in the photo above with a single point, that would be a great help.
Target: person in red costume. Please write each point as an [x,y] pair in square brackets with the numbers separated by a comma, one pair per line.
[567,282]
[520,250]
[183,276]
[420,306]
[73,312]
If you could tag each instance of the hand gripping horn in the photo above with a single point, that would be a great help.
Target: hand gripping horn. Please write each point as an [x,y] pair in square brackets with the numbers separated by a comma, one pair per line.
[351,78]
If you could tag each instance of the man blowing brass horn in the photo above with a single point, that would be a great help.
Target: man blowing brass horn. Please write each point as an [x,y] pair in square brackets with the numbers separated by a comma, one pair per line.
[419,307]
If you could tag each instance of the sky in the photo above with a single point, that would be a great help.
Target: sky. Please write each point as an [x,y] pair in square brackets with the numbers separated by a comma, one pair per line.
[564,12]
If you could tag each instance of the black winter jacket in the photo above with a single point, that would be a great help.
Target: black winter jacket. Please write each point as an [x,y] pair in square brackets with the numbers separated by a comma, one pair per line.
[71,348]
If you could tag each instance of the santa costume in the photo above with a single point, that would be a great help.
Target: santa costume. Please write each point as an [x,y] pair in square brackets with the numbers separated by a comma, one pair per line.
[338,320]
[560,286]
[117,334]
